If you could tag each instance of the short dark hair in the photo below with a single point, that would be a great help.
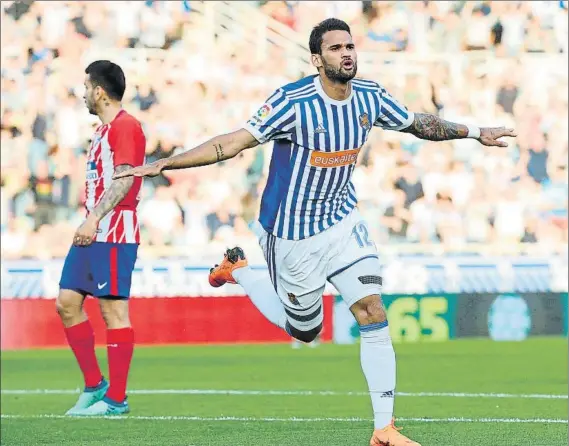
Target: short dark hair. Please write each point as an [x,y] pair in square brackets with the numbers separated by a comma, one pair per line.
[317,34]
[109,76]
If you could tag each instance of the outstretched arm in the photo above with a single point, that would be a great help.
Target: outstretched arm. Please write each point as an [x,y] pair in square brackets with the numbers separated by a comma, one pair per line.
[219,148]
[432,128]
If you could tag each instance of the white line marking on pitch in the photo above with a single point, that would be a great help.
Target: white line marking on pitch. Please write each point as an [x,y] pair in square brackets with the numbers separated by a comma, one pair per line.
[295,419]
[285,392]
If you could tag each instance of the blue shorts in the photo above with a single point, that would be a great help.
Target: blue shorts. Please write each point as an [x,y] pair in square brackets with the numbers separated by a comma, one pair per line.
[100,269]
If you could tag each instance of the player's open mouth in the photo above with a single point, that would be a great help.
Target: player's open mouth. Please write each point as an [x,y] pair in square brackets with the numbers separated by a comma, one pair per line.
[348,64]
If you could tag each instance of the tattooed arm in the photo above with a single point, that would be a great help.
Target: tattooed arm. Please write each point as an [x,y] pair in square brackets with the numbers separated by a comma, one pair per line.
[220,148]
[118,190]
[111,198]
[432,128]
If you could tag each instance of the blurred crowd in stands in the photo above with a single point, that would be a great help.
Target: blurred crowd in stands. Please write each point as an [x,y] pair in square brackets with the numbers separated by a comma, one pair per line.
[486,63]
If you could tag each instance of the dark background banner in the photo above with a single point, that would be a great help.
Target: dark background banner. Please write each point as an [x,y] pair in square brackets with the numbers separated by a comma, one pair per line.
[439,317]
[510,315]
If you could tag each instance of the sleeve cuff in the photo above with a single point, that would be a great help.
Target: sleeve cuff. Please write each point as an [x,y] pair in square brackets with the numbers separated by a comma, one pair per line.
[255,132]
[407,123]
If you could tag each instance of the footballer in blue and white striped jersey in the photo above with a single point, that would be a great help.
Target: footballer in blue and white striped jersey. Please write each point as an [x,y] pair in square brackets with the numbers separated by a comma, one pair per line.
[316,144]
[312,231]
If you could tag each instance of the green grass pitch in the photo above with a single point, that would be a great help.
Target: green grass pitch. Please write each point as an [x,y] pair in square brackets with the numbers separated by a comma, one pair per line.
[176,400]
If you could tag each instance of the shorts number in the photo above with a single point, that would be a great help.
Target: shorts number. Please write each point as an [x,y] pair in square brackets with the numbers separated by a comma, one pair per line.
[361,233]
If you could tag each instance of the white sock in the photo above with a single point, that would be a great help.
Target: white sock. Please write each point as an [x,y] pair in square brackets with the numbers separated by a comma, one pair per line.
[378,364]
[260,289]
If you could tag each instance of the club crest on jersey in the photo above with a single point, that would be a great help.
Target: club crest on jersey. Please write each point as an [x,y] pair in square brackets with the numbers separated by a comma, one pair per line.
[364,121]
[92,173]
[262,113]
[293,299]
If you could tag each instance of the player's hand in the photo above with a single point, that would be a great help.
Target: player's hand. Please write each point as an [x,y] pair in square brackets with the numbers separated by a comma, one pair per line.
[489,136]
[85,234]
[148,170]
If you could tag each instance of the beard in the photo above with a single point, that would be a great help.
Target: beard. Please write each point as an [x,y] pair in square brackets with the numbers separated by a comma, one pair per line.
[90,107]
[90,104]
[339,74]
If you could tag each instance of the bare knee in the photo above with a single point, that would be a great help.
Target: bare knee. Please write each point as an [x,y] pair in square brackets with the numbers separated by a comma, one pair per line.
[304,336]
[369,310]
[115,312]
[69,307]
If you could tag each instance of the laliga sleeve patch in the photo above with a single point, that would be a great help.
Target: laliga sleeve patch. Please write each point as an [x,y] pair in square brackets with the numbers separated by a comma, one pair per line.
[263,113]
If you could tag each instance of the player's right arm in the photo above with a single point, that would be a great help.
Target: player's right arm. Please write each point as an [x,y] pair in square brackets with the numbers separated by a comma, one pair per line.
[274,120]
[219,148]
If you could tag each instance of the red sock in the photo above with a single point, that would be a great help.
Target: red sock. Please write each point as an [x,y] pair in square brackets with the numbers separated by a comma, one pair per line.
[120,345]
[81,339]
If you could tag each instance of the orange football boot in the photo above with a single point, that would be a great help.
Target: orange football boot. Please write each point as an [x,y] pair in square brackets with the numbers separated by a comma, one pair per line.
[390,436]
[221,274]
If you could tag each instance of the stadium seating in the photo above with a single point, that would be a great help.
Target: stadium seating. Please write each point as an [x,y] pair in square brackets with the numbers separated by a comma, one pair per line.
[188,81]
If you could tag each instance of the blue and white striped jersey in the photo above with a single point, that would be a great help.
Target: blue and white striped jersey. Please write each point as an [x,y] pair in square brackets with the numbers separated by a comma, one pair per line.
[316,145]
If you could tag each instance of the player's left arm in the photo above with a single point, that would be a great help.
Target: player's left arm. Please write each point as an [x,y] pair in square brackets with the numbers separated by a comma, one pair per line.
[128,143]
[114,195]
[433,128]
[394,116]
[111,198]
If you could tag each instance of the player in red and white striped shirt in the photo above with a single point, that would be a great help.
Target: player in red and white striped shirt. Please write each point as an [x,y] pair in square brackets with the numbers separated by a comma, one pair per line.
[102,258]
[118,143]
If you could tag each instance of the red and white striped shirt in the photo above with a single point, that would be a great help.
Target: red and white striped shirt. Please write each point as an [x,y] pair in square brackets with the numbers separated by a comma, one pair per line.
[122,141]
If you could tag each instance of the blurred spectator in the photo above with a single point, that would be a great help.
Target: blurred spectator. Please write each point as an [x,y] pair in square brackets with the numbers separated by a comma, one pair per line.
[478,30]
[448,221]
[530,231]
[537,162]
[161,216]
[507,94]
[145,96]
[13,239]
[41,185]
[410,183]
[396,217]
[509,216]
[219,219]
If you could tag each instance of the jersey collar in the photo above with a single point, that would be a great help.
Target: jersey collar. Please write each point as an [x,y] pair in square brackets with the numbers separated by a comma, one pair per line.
[328,99]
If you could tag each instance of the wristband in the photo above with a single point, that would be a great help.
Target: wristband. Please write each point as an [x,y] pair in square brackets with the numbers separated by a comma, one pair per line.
[473,132]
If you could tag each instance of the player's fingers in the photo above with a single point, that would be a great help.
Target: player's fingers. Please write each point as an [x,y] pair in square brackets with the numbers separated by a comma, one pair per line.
[494,143]
[506,132]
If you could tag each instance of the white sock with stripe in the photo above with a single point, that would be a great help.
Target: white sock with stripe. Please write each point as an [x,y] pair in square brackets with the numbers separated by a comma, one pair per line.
[378,364]
[260,289]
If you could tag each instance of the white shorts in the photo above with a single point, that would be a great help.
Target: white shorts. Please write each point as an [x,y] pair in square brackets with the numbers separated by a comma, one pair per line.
[344,255]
